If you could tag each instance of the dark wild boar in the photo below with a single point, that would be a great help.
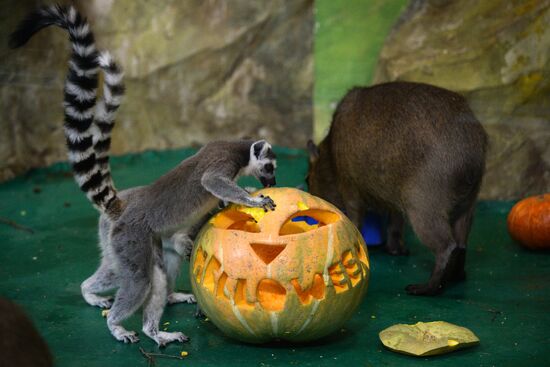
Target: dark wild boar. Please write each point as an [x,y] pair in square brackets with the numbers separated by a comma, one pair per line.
[412,150]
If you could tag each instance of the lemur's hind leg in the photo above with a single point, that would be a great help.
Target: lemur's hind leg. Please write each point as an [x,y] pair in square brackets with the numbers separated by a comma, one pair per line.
[154,305]
[132,248]
[175,249]
[105,278]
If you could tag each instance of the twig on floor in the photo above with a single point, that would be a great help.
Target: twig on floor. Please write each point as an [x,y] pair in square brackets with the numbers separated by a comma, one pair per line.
[151,356]
[150,359]
[15,225]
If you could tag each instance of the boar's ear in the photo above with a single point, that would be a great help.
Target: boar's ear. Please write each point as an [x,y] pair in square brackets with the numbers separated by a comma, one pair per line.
[313,150]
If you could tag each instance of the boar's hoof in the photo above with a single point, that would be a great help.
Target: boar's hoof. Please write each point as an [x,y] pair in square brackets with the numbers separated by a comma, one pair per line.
[458,276]
[424,289]
[396,251]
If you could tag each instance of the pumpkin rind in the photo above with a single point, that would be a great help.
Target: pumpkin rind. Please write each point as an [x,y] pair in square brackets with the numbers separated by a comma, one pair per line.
[260,286]
[529,222]
[427,338]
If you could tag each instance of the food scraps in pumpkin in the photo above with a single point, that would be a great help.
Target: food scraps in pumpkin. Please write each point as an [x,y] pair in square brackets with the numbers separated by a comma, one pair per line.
[427,339]
[256,213]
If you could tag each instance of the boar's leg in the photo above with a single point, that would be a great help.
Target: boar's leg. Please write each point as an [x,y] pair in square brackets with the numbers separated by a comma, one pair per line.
[354,206]
[394,242]
[461,230]
[433,230]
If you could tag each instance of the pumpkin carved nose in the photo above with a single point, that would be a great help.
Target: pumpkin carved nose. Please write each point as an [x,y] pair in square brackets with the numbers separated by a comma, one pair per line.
[267,252]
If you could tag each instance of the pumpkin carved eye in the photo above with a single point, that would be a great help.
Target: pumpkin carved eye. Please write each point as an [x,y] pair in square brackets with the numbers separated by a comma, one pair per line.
[236,220]
[307,220]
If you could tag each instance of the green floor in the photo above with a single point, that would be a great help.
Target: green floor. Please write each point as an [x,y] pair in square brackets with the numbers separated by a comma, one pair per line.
[505,301]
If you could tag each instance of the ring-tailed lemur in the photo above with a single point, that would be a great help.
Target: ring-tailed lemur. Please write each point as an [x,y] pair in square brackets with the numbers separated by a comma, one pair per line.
[137,224]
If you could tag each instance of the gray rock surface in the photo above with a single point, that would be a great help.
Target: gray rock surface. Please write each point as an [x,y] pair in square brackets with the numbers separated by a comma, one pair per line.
[195,71]
[497,54]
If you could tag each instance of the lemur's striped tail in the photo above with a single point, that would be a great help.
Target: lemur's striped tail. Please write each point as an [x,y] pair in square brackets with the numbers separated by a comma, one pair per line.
[113,90]
[88,141]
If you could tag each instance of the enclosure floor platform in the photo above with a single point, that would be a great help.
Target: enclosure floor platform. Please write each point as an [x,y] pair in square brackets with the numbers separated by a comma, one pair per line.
[505,300]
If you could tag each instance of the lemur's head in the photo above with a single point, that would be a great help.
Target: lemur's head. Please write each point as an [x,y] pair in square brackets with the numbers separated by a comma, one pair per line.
[262,163]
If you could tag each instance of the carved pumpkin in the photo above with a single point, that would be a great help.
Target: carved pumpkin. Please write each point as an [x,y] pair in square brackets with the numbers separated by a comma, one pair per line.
[296,273]
[529,222]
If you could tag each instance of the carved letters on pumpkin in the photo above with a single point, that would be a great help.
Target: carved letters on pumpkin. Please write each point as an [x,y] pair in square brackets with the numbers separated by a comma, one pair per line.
[218,282]
[200,260]
[345,274]
[317,290]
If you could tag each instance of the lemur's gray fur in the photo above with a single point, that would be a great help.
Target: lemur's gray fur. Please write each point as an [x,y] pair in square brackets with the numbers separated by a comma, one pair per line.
[144,231]
[144,247]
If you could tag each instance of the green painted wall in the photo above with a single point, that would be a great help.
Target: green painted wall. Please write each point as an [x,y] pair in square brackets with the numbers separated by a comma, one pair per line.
[348,37]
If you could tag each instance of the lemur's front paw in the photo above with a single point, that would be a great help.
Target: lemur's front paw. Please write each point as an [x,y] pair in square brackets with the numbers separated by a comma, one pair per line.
[264,202]
[183,245]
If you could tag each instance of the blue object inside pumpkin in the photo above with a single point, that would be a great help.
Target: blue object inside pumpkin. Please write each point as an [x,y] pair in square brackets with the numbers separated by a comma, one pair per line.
[371,228]
[305,218]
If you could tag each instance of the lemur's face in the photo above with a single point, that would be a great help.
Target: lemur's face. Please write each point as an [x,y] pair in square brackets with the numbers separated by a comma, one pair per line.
[262,163]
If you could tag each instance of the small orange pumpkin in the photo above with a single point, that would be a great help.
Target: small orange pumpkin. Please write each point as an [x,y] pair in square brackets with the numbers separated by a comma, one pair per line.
[296,273]
[529,222]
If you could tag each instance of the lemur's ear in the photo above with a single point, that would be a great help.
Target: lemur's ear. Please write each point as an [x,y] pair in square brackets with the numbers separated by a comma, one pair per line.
[313,150]
[258,147]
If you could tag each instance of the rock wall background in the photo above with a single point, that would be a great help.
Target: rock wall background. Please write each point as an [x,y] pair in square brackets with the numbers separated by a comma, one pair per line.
[196,70]
[496,53]
[349,35]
